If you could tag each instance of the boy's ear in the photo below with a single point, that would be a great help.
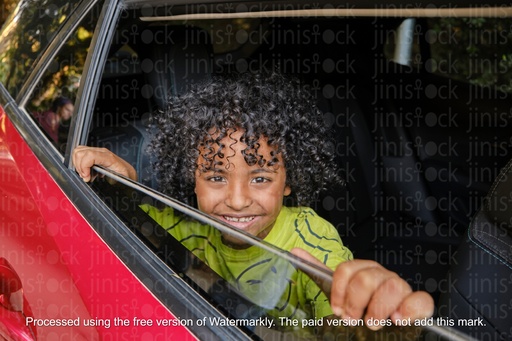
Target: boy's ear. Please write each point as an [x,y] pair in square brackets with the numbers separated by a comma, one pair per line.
[287,191]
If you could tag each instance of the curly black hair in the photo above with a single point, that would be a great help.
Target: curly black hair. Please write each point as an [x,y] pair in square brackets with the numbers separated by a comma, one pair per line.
[269,106]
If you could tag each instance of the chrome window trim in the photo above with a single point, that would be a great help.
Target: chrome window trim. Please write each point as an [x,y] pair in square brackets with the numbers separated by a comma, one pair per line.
[93,68]
[349,8]
[345,13]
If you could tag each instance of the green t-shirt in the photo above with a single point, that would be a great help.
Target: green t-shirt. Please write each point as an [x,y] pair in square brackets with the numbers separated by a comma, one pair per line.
[266,279]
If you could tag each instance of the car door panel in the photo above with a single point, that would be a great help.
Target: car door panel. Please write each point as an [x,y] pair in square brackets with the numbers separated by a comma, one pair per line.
[67,271]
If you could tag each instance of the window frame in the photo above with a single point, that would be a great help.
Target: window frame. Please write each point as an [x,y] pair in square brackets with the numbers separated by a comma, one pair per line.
[42,63]
[173,292]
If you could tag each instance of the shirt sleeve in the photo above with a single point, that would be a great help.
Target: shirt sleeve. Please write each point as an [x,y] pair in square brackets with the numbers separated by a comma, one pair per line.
[327,248]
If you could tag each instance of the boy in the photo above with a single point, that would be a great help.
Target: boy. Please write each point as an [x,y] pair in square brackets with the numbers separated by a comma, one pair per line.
[236,148]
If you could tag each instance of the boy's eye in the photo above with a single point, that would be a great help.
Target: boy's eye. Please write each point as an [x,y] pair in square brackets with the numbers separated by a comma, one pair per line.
[215,178]
[260,180]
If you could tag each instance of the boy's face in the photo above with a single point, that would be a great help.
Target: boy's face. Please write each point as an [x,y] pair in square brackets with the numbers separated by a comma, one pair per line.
[246,197]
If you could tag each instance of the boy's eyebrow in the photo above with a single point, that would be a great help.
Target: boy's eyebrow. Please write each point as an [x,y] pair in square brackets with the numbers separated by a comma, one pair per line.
[263,170]
[254,171]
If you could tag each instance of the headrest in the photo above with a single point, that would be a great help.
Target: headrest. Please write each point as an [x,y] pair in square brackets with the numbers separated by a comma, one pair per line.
[176,58]
[491,227]
[498,202]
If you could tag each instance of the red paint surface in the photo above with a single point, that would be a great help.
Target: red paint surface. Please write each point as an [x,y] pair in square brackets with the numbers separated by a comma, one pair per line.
[66,270]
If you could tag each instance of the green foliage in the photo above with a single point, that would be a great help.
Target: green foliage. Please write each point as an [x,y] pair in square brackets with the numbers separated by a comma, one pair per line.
[26,34]
[478,50]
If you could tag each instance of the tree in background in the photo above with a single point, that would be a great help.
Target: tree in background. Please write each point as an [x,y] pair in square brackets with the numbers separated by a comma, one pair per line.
[478,50]
[6,6]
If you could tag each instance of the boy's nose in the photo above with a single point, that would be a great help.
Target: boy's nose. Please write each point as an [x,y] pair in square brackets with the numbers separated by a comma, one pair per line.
[238,197]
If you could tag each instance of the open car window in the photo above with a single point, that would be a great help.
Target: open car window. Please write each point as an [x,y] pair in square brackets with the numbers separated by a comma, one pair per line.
[152,59]
[255,293]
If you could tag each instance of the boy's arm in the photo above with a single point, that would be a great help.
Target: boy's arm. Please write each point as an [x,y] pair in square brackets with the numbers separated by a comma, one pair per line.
[365,289]
[85,157]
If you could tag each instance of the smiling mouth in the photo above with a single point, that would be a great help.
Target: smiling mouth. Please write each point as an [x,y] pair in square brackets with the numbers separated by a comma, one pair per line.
[239,220]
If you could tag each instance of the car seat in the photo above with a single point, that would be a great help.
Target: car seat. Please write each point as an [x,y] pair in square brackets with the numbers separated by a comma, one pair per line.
[169,69]
[477,298]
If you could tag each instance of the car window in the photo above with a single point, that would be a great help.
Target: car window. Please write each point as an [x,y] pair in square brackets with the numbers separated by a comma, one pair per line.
[256,293]
[27,35]
[150,60]
[51,103]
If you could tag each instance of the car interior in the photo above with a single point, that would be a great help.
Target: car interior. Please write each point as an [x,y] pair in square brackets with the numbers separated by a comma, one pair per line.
[478,281]
[412,187]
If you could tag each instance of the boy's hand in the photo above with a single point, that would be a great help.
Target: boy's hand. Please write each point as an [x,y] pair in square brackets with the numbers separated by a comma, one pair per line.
[365,289]
[85,157]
